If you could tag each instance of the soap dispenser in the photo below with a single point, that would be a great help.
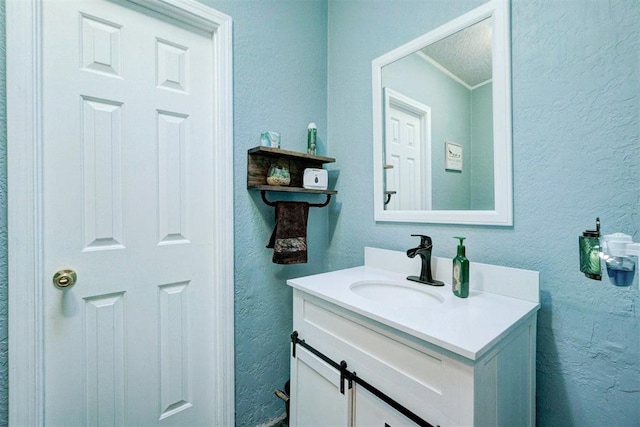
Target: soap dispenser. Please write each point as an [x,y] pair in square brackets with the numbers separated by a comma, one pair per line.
[620,255]
[460,280]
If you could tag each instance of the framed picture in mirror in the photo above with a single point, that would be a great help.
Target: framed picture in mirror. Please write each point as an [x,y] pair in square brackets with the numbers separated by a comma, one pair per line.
[446,94]
[452,156]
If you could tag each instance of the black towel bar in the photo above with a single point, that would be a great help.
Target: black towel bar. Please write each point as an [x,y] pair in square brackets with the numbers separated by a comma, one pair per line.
[313,205]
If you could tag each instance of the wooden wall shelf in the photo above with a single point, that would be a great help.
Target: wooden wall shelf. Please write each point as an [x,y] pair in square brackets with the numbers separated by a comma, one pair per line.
[259,159]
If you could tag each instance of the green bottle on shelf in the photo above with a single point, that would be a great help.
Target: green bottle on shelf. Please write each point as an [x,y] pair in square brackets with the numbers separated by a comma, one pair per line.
[460,280]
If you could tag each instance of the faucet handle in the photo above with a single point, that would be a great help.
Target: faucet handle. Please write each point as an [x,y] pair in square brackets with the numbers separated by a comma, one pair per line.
[425,241]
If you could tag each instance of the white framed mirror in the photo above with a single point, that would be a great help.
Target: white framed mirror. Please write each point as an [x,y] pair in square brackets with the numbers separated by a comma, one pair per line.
[442,124]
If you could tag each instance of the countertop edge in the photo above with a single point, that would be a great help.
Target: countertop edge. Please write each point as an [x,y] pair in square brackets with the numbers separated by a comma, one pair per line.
[470,353]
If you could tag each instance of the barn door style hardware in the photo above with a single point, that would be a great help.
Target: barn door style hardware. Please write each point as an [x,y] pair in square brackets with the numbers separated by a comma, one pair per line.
[351,377]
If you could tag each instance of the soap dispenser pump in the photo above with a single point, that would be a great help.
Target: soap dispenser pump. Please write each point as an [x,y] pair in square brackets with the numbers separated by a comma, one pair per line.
[460,280]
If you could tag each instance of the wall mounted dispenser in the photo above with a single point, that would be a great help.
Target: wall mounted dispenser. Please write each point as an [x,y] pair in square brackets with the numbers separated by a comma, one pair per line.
[590,253]
[619,254]
[315,179]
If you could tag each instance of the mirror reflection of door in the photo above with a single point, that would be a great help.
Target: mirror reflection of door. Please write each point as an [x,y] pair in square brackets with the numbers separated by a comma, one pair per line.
[453,76]
[462,72]
[407,152]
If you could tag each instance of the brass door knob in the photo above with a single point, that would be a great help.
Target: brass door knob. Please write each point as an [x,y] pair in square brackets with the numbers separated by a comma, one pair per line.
[64,279]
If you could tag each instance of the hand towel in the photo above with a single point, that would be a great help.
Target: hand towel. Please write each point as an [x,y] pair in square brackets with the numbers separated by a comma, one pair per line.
[289,237]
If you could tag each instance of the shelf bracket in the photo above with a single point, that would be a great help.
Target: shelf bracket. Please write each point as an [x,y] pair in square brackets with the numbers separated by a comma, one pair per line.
[263,194]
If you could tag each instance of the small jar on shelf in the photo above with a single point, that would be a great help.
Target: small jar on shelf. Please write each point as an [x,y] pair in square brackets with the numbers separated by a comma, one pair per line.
[278,175]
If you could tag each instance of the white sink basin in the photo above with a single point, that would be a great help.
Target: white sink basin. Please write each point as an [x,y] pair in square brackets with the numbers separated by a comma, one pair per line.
[397,294]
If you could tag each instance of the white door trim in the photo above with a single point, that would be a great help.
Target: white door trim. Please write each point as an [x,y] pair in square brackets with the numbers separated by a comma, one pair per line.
[25,208]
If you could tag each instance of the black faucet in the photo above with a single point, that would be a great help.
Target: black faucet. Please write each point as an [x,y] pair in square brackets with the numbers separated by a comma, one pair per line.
[424,250]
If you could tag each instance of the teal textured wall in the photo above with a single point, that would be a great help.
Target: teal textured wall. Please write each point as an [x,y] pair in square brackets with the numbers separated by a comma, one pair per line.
[280,63]
[4,327]
[576,156]
[482,189]
[576,107]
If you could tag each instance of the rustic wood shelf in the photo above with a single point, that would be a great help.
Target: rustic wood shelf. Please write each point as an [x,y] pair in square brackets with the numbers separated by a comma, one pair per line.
[278,152]
[289,189]
[259,159]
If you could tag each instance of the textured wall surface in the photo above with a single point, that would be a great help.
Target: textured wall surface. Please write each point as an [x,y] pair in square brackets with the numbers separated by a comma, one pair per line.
[280,64]
[576,87]
[577,111]
[576,102]
[482,190]
[4,329]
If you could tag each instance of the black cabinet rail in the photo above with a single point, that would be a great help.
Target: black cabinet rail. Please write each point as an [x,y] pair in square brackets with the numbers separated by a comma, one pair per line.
[352,377]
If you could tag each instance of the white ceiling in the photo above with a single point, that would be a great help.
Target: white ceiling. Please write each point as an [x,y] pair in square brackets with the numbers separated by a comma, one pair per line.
[465,54]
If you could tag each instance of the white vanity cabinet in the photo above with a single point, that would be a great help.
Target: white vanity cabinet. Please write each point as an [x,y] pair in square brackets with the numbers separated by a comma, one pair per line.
[439,386]
[459,362]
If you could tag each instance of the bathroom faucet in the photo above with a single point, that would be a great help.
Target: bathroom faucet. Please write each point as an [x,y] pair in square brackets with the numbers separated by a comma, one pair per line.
[424,250]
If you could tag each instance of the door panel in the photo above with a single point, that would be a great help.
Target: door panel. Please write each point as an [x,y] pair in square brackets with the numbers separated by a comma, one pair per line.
[369,411]
[404,153]
[101,122]
[128,201]
[315,393]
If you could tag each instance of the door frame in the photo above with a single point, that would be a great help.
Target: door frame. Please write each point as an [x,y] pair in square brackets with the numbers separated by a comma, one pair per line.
[27,277]
[395,99]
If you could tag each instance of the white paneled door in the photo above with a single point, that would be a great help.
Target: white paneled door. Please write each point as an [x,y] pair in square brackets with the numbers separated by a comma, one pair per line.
[407,150]
[404,153]
[128,196]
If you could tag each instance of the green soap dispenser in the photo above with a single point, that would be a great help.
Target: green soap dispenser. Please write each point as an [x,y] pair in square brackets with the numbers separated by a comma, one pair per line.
[460,280]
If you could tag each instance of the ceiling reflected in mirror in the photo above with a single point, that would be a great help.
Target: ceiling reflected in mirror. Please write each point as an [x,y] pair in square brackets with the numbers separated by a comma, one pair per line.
[437,106]
[442,124]
[466,55]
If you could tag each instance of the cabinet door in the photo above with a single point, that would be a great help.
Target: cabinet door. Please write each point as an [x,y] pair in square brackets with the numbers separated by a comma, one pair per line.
[315,393]
[369,411]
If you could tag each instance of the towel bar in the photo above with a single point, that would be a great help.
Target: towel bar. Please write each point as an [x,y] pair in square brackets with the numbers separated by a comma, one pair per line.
[313,205]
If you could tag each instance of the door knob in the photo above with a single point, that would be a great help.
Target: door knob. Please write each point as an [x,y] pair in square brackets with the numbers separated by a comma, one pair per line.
[64,279]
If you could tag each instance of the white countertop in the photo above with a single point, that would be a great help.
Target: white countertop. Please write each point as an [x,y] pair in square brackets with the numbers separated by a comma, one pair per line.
[468,327]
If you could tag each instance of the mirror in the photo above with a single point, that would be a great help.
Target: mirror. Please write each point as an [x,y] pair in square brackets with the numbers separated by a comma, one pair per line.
[442,124]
